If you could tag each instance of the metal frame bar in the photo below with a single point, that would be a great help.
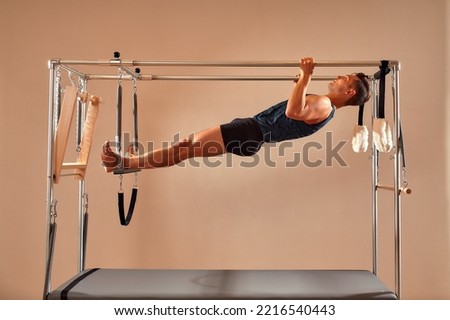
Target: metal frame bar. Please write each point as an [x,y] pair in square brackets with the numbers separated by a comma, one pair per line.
[375,158]
[397,178]
[130,75]
[203,77]
[50,164]
[82,199]
[226,64]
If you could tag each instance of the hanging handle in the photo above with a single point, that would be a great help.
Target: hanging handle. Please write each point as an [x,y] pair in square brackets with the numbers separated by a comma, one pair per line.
[125,220]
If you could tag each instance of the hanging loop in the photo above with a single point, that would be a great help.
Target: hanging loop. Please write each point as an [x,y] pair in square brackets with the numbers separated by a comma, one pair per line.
[72,79]
[404,177]
[135,179]
[125,219]
[86,202]
[53,211]
[120,183]
[134,85]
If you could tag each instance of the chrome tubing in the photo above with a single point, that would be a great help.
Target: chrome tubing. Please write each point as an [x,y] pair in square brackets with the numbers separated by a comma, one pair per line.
[204,78]
[397,179]
[375,157]
[50,164]
[226,64]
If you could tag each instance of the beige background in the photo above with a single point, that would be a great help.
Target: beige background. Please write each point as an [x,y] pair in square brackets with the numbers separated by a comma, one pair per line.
[229,216]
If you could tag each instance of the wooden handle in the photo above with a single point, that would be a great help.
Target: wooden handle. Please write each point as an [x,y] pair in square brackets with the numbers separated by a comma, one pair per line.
[405,190]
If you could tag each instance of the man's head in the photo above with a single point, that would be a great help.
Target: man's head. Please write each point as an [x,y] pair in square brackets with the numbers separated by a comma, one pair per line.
[353,88]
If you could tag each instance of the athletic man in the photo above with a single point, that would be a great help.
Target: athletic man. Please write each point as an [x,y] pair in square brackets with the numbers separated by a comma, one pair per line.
[301,115]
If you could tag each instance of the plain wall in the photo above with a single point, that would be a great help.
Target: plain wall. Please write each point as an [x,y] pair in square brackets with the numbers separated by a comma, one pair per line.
[229,216]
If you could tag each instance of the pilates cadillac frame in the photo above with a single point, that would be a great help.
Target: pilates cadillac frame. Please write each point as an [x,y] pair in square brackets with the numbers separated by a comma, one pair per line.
[72,67]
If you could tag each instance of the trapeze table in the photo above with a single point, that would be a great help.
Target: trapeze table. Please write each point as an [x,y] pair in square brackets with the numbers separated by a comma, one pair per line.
[175,284]
[125,284]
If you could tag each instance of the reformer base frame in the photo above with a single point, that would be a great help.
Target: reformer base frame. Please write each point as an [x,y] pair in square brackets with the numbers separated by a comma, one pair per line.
[175,284]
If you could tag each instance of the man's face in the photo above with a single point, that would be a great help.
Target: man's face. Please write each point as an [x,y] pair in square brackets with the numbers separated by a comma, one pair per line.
[341,84]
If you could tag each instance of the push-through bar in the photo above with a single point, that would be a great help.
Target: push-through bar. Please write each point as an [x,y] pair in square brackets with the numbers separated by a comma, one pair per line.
[124,64]
[202,77]
[239,64]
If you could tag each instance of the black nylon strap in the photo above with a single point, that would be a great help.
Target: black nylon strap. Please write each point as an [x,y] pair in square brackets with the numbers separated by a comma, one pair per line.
[74,282]
[402,147]
[85,231]
[384,69]
[361,115]
[119,118]
[125,220]
[135,123]
[51,242]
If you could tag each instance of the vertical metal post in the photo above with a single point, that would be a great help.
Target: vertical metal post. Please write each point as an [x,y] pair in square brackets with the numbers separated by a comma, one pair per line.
[375,155]
[50,164]
[81,203]
[397,178]
[81,197]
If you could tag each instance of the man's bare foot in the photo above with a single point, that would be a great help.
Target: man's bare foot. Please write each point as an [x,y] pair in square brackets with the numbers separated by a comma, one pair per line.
[110,159]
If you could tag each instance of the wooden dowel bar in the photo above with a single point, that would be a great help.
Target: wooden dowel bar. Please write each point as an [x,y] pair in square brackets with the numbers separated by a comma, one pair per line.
[74,165]
[405,190]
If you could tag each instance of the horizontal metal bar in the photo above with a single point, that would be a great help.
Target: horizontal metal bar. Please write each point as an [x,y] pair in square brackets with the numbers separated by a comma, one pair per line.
[73,71]
[205,78]
[257,64]
[131,73]
[405,190]
[247,64]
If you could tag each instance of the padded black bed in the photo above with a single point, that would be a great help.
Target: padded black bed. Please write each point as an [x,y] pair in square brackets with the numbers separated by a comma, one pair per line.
[126,284]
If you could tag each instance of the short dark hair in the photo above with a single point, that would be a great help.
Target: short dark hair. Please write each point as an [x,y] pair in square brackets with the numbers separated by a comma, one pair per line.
[362,88]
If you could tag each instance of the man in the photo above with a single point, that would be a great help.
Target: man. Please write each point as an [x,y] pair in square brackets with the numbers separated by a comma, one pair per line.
[299,116]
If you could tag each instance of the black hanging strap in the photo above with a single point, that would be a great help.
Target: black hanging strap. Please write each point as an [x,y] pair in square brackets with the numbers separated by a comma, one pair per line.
[49,262]
[135,123]
[384,70]
[125,220]
[119,119]
[135,115]
[361,115]
[51,248]
[85,225]
[402,147]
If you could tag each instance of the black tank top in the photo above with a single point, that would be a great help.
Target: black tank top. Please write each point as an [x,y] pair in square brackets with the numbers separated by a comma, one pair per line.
[276,126]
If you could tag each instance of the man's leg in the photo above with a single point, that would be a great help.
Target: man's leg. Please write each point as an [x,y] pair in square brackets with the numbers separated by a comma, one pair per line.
[206,143]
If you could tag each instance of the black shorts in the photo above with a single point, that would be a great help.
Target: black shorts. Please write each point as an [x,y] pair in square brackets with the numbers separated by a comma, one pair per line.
[242,137]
